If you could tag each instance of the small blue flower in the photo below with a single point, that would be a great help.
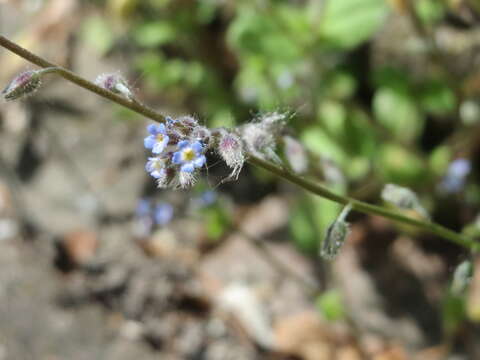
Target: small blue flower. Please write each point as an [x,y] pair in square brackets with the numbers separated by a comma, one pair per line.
[163,213]
[156,167]
[456,176]
[189,155]
[459,168]
[158,138]
[144,208]
[207,198]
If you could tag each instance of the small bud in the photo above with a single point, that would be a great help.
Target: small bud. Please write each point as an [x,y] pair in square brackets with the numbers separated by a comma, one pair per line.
[230,148]
[201,133]
[462,277]
[336,235]
[114,83]
[296,155]
[188,121]
[403,198]
[259,141]
[274,122]
[22,85]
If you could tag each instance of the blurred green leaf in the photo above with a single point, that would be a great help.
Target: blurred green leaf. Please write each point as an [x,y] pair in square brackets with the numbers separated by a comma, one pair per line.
[399,166]
[217,221]
[98,34]
[396,110]
[454,312]
[331,306]
[340,84]
[154,34]
[430,11]
[437,98]
[439,159]
[347,23]
[319,142]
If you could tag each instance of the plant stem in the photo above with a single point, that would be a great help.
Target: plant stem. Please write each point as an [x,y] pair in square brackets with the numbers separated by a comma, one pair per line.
[279,171]
[74,78]
[365,207]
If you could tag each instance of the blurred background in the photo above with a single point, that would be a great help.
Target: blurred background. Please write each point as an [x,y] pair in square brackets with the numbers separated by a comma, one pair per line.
[96,263]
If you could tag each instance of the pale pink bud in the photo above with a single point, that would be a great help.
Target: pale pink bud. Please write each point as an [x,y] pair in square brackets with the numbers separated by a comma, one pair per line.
[22,85]
[230,148]
[114,83]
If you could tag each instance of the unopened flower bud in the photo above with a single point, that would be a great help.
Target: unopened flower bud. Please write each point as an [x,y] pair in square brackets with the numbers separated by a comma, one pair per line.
[114,83]
[336,235]
[259,141]
[403,198]
[188,121]
[201,133]
[230,148]
[22,85]
[462,277]
[296,155]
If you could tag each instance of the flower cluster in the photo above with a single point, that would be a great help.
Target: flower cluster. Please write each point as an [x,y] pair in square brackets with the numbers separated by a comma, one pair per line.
[178,149]
[179,146]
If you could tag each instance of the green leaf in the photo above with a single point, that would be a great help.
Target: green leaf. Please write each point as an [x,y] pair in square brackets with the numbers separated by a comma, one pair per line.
[437,98]
[400,166]
[347,23]
[316,140]
[97,33]
[396,110]
[154,34]
[331,306]
[217,221]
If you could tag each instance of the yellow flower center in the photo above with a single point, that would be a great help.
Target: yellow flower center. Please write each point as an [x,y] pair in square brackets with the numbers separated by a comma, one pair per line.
[188,154]
[157,164]
[159,137]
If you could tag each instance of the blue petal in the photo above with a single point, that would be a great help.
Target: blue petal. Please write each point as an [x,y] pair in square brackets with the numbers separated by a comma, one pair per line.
[157,174]
[148,166]
[149,141]
[152,129]
[188,167]
[200,161]
[182,144]
[161,129]
[166,139]
[177,158]
[158,147]
[197,146]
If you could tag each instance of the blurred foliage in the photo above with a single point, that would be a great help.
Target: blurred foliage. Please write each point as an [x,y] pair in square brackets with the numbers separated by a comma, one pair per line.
[330,305]
[381,103]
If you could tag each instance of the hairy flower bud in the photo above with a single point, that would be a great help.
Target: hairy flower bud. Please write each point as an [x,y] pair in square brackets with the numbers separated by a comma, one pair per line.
[462,277]
[296,155]
[114,83]
[22,85]
[403,198]
[336,235]
[201,133]
[259,141]
[188,121]
[230,148]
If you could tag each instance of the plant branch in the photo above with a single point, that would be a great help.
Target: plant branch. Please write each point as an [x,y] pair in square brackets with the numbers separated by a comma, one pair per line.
[74,78]
[279,171]
[365,207]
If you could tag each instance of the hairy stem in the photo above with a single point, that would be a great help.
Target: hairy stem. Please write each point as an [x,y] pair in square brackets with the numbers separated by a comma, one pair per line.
[74,78]
[279,171]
